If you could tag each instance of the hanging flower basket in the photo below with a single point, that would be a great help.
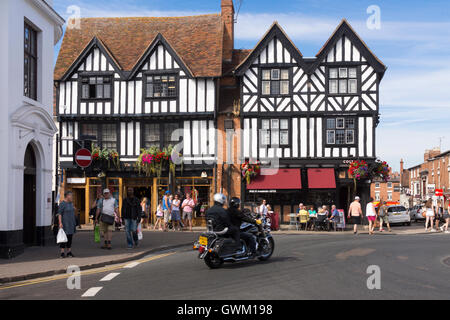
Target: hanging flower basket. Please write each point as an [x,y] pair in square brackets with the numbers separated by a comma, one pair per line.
[153,160]
[250,170]
[105,158]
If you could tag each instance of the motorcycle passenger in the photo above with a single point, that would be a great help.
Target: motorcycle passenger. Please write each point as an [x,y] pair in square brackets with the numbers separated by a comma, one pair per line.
[221,218]
[237,216]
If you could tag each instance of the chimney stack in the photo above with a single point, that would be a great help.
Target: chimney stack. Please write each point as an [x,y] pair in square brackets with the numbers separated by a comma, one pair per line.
[228,35]
[401,171]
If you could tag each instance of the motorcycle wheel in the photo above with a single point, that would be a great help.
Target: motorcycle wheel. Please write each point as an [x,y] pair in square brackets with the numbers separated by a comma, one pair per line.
[267,250]
[212,261]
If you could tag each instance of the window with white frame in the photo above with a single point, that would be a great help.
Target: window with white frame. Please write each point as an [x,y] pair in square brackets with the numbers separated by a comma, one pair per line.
[389,185]
[389,195]
[340,131]
[377,185]
[343,81]
[377,196]
[275,82]
[274,132]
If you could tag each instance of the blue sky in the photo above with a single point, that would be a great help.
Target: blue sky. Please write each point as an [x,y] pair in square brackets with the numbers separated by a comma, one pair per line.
[413,41]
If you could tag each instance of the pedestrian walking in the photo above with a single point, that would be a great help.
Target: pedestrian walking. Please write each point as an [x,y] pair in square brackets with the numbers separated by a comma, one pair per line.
[384,217]
[107,210]
[166,210]
[263,209]
[371,215]
[132,215]
[145,213]
[444,228]
[159,217]
[429,213]
[188,208]
[67,222]
[176,216]
[355,213]
[439,213]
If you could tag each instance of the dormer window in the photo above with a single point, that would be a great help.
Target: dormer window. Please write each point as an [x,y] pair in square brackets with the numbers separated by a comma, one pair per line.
[343,81]
[96,87]
[275,82]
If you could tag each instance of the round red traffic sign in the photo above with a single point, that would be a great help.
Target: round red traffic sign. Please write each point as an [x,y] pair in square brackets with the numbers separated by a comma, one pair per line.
[83,158]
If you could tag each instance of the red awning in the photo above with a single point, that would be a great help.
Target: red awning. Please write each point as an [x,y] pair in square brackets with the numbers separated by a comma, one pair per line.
[277,179]
[321,179]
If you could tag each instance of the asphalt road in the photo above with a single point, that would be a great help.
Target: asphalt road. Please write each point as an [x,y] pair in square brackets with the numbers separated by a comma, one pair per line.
[330,266]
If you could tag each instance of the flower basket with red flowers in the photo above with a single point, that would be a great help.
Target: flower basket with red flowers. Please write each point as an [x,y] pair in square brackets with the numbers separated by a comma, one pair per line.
[250,170]
[105,157]
[152,161]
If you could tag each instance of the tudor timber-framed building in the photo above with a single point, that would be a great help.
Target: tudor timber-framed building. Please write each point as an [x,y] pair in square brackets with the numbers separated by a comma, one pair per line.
[313,115]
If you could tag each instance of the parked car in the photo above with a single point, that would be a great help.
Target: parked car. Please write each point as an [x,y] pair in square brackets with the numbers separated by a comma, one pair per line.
[416,213]
[398,215]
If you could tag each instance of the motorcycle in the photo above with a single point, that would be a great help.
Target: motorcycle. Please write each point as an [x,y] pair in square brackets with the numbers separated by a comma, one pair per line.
[216,249]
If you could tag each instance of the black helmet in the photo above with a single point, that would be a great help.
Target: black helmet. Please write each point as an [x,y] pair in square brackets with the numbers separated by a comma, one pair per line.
[235,202]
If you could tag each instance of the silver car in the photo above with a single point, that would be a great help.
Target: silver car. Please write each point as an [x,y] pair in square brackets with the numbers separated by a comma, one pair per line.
[398,215]
[416,213]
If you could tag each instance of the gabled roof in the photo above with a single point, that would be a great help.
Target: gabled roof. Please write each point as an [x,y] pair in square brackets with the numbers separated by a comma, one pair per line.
[344,28]
[198,41]
[94,43]
[159,39]
[274,31]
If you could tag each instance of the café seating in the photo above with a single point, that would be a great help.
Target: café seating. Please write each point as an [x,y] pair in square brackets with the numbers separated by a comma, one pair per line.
[293,220]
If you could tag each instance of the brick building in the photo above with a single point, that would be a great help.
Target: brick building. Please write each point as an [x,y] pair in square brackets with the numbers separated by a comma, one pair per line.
[386,191]
[431,175]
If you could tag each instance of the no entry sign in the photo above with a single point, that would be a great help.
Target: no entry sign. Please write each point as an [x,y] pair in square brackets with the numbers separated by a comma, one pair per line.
[83,158]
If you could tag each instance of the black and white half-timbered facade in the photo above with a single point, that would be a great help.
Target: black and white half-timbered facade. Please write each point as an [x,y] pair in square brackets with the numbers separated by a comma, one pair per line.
[312,114]
[128,92]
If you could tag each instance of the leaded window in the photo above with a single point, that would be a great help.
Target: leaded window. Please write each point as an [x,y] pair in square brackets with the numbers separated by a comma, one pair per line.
[104,135]
[275,82]
[96,87]
[274,132]
[340,131]
[343,81]
[161,86]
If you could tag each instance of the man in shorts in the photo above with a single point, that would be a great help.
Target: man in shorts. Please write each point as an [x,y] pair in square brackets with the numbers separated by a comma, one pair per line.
[109,208]
[355,212]
[188,208]
[383,214]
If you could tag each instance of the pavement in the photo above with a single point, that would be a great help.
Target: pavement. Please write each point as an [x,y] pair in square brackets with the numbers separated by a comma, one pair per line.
[39,262]
[306,267]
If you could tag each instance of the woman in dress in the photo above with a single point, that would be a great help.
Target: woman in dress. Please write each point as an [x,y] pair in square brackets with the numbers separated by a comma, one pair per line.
[145,220]
[67,222]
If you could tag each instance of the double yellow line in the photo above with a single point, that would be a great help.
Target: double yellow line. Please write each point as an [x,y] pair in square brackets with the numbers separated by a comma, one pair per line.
[84,273]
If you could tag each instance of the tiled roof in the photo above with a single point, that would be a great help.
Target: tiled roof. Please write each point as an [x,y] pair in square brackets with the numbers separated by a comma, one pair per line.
[197,39]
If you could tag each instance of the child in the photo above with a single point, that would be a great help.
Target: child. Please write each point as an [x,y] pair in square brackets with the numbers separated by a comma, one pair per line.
[159,217]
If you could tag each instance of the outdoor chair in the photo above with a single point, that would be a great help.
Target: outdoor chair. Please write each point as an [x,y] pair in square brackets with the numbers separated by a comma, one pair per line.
[293,220]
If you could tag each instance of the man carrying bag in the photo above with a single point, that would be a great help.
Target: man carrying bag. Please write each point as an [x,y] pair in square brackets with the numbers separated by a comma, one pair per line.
[106,211]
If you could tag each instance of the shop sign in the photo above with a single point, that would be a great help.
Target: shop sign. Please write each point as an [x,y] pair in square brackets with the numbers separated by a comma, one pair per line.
[76,180]
[439,192]
[431,188]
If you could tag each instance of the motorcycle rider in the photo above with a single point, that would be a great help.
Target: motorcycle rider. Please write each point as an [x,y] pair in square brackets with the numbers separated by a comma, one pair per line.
[221,218]
[237,216]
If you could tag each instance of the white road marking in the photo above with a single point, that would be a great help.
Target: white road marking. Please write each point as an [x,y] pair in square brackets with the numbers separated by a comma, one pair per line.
[109,277]
[131,265]
[92,292]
